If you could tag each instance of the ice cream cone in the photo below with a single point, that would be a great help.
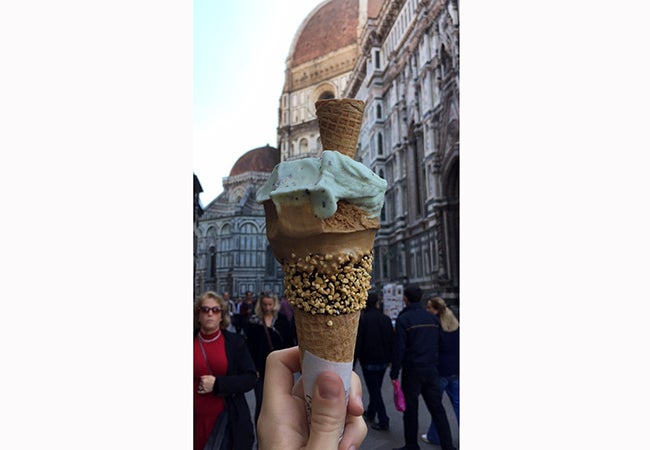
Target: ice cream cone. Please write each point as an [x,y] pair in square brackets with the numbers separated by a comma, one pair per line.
[339,121]
[326,258]
[327,266]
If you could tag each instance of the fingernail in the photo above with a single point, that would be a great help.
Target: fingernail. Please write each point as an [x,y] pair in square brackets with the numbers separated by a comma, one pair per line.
[352,447]
[329,387]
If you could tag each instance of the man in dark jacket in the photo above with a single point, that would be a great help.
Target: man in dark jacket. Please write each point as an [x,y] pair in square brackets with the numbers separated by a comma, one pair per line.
[416,353]
[373,350]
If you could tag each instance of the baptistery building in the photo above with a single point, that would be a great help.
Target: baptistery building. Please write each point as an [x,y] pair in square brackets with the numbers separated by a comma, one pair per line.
[232,251]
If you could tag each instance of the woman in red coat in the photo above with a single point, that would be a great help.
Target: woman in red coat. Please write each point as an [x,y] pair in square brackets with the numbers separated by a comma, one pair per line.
[223,372]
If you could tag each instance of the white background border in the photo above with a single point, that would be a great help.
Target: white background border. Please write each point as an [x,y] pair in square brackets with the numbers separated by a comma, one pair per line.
[96,291]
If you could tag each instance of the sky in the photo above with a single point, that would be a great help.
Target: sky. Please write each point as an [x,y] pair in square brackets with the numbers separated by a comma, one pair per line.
[240,51]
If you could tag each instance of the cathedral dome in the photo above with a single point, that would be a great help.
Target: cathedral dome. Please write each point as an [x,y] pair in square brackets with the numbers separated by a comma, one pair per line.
[261,159]
[329,27]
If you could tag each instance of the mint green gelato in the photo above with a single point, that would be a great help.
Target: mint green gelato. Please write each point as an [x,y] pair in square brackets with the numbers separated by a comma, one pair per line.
[323,182]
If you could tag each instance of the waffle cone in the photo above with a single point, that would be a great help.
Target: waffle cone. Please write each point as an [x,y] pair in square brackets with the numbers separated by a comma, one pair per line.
[339,121]
[333,342]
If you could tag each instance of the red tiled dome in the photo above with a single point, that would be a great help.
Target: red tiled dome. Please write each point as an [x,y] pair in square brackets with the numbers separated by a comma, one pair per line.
[333,25]
[262,159]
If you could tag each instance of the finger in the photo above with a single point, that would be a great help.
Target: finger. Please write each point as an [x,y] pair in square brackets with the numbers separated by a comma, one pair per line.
[327,412]
[354,434]
[282,416]
[280,367]
[355,401]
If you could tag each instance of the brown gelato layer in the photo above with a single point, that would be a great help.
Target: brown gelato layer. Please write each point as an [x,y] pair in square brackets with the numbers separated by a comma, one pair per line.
[297,232]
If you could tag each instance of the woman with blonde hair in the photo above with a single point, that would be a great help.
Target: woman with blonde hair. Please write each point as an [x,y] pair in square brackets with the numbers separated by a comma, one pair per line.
[268,330]
[223,372]
[448,320]
[448,360]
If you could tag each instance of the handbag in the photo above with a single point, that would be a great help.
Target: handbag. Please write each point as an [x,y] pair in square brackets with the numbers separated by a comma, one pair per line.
[218,439]
[398,396]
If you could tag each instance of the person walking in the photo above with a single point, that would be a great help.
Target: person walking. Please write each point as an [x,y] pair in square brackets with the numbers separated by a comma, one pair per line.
[232,308]
[373,350]
[268,330]
[287,310]
[245,312]
[448,360]
[417,334]
[223,373]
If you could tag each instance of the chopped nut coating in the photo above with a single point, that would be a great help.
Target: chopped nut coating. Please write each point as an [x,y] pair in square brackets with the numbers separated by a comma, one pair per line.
[327,284]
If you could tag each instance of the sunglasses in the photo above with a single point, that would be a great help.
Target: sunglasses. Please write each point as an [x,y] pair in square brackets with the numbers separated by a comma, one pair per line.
[214,309]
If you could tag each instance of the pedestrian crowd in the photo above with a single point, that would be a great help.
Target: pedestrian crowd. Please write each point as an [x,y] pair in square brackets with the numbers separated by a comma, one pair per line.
[250,343]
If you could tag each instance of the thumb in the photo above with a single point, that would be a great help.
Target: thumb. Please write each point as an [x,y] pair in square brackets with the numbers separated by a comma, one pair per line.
[328,411]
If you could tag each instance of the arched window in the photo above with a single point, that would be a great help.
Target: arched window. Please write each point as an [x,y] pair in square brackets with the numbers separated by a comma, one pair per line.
[225,254]
[445,60]
[378,110]
[304,146]
[326,95]
[248,239]
[270,262]
[380,144]
[212,270]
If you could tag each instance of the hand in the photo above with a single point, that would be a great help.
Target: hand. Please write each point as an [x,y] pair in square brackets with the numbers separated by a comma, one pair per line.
[206,384]
[283,420]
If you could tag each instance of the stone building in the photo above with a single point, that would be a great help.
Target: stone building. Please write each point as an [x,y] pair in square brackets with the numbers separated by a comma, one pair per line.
[402,58]
[408,74]
[233,252]
[232,249]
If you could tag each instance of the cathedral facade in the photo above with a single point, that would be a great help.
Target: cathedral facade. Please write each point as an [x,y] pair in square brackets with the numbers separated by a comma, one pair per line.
[408,74]
[320,62]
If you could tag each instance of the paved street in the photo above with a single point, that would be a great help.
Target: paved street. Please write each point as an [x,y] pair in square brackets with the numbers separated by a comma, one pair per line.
[393,438]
